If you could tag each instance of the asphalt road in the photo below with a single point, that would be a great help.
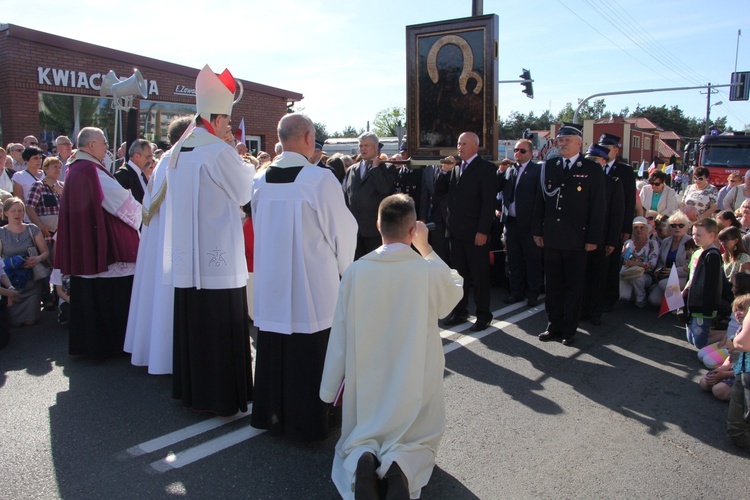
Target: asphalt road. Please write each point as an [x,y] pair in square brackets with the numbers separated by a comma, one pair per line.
[618,415]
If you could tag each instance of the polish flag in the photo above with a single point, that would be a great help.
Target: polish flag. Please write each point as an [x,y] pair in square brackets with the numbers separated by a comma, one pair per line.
[672,295]
[239,134]
[651,167]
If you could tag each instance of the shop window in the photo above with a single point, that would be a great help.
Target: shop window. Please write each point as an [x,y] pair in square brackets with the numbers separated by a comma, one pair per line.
[61,114]
[154,118]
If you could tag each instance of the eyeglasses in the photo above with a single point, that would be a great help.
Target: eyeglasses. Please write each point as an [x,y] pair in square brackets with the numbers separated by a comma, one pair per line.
[65,144]
[519,150]
[17,150]
[675,226]
[657,184]
[700,178]
[650,217]
[34,143]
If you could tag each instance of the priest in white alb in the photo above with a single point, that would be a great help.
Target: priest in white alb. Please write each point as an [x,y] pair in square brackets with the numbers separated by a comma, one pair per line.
[304,240]
[150,321]
[204,256]
[385,346]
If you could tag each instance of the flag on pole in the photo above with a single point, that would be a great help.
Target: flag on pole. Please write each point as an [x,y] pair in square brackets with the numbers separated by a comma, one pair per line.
[239,134]
[672,295]
[670,168]
[651,167]
[640,170]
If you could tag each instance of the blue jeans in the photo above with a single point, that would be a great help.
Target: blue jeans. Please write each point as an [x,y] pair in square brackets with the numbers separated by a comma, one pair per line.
[698,330]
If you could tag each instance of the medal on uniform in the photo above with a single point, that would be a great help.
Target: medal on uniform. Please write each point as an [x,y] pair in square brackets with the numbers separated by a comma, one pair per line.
[579,189]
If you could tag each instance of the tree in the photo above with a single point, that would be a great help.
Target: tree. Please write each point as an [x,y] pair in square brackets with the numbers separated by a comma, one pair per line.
[321,133]
[386,121]
[349,132]
[588,111]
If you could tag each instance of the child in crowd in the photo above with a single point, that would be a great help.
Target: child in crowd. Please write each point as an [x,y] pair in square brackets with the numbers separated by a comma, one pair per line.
[719,380]
[62,288]
[703,290]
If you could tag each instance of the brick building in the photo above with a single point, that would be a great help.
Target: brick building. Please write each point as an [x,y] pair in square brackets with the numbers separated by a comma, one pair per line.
[49,85]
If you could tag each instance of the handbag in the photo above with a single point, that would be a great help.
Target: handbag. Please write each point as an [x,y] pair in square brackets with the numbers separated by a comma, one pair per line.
[39,271]
[631,273]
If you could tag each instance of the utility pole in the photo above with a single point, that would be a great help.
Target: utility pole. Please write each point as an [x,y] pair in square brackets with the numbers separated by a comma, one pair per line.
[710,91]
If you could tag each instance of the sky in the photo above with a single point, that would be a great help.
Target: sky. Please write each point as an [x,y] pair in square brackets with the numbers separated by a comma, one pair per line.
[348,58]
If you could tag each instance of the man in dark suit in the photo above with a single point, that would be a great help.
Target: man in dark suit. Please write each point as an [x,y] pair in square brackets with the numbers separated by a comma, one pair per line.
[568,223]
[624,172]
[365,185]
[519,185]
[131,176]
[434,209]
[596,267]
[471,188]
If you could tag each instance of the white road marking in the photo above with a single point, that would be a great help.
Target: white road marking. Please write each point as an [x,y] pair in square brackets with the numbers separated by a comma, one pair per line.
[183,434]
[463,326]
[495,325]
[180,459]
[183,458]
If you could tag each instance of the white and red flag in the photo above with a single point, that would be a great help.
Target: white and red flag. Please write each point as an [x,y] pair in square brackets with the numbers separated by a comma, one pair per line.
[239,134]
[672,295]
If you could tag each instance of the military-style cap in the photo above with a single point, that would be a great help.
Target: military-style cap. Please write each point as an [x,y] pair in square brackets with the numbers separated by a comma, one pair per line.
[597,150]
[610,140]
[570,129]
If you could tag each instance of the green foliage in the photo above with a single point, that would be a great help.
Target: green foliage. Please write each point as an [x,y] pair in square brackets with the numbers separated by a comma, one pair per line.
[321,133]
[348,132]
[386,121]
[674,119]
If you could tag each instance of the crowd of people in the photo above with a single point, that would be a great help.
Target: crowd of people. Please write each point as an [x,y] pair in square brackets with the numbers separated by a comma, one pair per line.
[172,257]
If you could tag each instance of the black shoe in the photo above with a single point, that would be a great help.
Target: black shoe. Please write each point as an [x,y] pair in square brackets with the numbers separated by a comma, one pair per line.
[455,319]
[595,321]
[510,299]
[63,313]
[568,341]
[366,480]
[532,302]
[480,325]
[547,336]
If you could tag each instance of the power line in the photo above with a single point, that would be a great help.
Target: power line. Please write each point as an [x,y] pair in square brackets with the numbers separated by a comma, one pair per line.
[616,45]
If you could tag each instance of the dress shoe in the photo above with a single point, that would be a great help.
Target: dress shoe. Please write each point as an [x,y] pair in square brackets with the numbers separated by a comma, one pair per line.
[547,336]
[366,480]
[455,319]
[510,299]
[568,341]
[532,302]
[480,325]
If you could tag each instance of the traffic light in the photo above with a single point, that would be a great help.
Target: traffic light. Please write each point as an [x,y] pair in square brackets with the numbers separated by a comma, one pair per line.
[527,87]
[740,90]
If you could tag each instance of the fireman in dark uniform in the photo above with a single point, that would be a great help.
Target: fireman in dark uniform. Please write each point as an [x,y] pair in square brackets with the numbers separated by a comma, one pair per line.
[622,171]
[568,223]
[596,267]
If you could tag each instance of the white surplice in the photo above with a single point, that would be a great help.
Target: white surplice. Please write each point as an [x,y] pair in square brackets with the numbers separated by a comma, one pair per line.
[305,238]
[204,245]
[386,343]
[150,320]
